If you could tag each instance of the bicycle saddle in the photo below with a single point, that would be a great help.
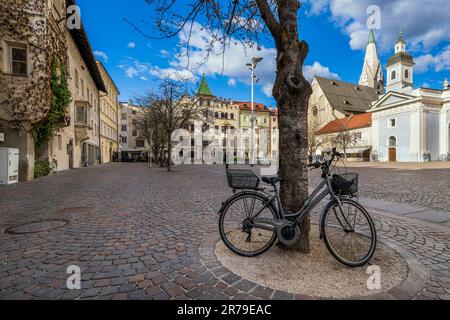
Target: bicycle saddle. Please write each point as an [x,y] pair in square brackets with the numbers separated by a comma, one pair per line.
[272,180]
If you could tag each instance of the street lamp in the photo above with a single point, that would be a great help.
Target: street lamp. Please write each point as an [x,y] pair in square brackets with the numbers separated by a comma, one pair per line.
[252,66]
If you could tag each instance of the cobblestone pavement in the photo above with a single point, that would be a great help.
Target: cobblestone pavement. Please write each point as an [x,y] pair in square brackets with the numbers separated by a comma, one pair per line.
[136,233]
[427,188]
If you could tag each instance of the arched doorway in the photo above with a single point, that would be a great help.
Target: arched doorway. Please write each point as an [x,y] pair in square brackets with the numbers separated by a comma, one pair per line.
[392,149]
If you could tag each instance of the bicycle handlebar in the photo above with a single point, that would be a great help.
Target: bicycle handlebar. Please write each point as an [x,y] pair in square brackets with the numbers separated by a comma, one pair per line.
[326,163]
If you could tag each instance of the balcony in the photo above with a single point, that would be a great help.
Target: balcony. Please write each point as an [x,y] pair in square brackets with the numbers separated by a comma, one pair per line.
[82,131]
[82,127]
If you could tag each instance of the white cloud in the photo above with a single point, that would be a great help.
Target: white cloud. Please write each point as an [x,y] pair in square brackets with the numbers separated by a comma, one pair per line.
[316,69]
[102,55]
[231,82]
[164,53]
[173,73]
[131,45]
[425,22]
[231,65]
[267,89]
[439,62]
[134,68]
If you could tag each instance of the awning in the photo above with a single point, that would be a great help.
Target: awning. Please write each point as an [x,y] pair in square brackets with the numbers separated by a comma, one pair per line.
[356,150]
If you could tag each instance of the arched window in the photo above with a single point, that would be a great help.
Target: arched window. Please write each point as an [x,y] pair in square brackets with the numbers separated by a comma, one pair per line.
[392,142]
[406,73]
[216,115]
[315,111]
[232,116]
[393,75]
[226,115]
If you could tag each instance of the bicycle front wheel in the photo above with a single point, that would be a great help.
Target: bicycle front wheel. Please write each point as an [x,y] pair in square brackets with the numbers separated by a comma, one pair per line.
[244,233]
[349,234]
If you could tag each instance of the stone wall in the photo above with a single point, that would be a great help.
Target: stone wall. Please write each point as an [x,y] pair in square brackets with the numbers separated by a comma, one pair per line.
[25,100]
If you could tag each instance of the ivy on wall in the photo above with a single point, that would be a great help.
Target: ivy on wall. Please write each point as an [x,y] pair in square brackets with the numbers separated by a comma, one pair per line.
[60,100]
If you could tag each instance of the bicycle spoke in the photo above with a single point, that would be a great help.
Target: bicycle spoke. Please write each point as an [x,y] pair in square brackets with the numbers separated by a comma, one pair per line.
[239,230]
[352,241]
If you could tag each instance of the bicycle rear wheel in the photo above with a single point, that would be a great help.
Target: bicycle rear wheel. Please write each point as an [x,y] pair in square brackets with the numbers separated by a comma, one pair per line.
[350,235]
[237,225]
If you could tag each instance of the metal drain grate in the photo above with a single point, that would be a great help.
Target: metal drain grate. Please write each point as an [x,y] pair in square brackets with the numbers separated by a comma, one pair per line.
[37,226]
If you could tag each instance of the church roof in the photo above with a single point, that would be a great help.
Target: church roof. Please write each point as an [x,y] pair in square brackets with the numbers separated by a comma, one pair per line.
[204,90]
[402,57]
[347,97]
[352,122]
[372,37]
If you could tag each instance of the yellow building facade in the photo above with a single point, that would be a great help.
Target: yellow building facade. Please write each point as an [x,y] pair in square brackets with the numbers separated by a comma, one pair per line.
[109,118]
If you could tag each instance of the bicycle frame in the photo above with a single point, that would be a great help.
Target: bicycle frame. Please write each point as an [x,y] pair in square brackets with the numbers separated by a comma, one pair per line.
[312,202]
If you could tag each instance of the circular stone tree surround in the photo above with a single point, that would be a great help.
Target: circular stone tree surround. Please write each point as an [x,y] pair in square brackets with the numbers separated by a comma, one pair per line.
[318,274]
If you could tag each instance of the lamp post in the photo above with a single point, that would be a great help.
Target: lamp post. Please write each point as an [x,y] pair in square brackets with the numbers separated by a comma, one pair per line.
[252,66]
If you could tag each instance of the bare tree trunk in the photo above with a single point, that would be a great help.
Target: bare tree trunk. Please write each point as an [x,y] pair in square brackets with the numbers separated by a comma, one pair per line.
[161,158]
[156,156]
[169,155]
[292,92]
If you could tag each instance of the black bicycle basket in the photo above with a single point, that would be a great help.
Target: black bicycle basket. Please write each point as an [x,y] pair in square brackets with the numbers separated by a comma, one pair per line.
[242,179]
[345,184]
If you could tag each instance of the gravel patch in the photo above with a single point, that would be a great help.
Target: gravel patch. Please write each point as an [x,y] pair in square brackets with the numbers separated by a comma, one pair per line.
[317,274]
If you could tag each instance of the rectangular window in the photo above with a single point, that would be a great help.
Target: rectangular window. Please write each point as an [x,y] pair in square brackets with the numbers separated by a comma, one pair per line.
[124,139]
[140,144]
[81,114]
[134,122]
[134,133]
[19,61]
[60,143]
[358,135]
[392,123]
[82,87]
[77,79]
[124,127]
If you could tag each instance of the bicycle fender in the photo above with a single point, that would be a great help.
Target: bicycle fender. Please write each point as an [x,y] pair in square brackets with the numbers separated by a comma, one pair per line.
[227,202]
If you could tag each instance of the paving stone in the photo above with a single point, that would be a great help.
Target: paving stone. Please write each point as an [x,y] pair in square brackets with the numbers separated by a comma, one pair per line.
[147,242]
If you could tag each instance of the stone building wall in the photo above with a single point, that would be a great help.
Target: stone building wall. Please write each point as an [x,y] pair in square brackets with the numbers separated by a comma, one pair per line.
[25,99]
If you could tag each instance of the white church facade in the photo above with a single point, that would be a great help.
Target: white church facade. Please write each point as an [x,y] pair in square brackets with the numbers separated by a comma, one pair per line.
[408,124]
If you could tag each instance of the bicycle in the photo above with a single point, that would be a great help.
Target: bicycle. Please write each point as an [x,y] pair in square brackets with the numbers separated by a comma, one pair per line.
[256,220]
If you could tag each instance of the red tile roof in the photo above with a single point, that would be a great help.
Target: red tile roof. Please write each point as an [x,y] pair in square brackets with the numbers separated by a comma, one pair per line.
[248,106]
[349,123]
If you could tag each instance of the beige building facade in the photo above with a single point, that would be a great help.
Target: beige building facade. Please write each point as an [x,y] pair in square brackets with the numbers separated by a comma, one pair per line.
[131,145]
[109,117]
[25,96]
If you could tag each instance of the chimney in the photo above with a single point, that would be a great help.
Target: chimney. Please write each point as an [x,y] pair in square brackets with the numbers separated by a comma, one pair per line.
[446,84]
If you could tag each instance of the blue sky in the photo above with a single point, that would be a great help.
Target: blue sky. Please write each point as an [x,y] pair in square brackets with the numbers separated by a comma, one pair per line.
[335,30]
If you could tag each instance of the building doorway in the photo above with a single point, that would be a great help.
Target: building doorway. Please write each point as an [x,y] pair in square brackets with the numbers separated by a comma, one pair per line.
[392,155]
[70,153]
[392,149]
[84,155]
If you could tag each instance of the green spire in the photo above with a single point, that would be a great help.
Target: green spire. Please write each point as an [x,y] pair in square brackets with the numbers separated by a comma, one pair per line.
[204,90]
[372,37]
